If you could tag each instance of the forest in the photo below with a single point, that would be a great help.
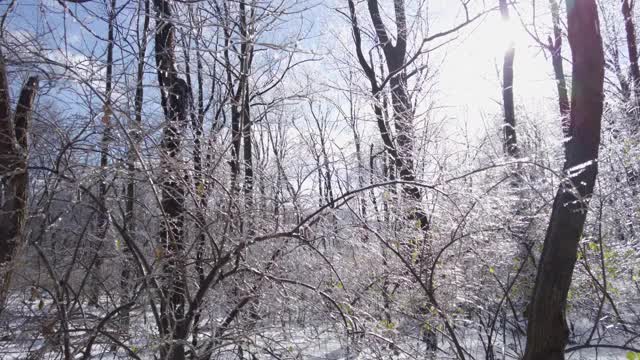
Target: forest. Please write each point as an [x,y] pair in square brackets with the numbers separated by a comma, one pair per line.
[309,179]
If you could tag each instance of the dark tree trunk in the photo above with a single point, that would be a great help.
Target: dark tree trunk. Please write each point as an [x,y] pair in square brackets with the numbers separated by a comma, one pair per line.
[247,152]
[201,187]
[129,219]
[547,331]
[241,132]
[510,138]
[632,47]
[519,220]
[176,103]
[236,142]
[102,221]
[400,148]
[555,46]
[402,108]
[14,149]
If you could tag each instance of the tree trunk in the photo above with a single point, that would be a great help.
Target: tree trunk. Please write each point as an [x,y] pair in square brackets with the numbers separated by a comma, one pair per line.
[247,153]
[401,150]
[547,331]
[510,138]
[632,47]
[14,148]
[129,219]
[176,103]
[201,187]
[555,46]
[102,223]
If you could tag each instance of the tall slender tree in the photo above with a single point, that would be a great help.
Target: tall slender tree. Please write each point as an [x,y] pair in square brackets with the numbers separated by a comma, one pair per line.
[241,124]
[632,48]
[176,103]
[401,147]
[555,47]
[102,221]
[547,331]
[14,153]
[510,135]
[132,157]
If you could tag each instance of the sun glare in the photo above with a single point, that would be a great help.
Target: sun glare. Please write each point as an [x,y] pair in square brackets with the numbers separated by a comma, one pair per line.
[500,34]
[472,75]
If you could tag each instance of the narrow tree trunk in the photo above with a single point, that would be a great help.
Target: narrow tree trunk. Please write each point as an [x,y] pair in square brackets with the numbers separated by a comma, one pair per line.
[395,57]
[547,331]
[247,154]
[555,46]
[102,223]
[401,150]
[510,138]
[613,63]
[200,187]
[129,219]
[520,218]
[176,103]
[243,100]
[14,152]
[632,47]
[236,98]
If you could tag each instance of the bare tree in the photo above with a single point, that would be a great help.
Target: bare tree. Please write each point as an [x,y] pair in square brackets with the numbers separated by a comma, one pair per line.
[632,47]
[176,104]
[14,153]
[510,135]
[401,148]
[102,222]
[135,137]
[555,46]
[547,329]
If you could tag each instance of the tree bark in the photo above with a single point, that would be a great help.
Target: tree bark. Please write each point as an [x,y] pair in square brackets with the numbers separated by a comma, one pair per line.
[200,184]
[129,218]
[555,46]
[14,148]
[547,331]
[510,136]
[176,103]
[241,125]
[632,47]
[402,108]
[102,221]
[400,148]
[246,59]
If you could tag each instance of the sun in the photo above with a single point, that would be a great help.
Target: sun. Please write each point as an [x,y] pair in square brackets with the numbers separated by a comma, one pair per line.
[497,35]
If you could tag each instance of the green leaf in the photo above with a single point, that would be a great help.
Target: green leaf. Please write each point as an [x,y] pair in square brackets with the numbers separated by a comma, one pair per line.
[414,256]
[200,190]
[345,308]
[608,254]
[389,325]
[631,355]
[491,269]
[426,327]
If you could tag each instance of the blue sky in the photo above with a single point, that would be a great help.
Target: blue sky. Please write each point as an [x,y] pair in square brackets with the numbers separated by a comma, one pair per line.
[468,82]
